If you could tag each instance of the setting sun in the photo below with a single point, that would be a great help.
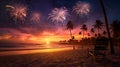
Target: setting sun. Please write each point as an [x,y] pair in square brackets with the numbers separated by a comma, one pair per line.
[47,42]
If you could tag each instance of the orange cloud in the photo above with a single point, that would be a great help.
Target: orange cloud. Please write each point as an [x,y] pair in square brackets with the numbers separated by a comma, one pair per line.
[43,37]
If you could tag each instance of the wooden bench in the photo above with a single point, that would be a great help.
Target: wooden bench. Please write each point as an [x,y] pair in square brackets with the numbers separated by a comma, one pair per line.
[100,48]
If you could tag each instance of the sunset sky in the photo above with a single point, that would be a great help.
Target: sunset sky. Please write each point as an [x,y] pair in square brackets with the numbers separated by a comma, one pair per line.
[44,30]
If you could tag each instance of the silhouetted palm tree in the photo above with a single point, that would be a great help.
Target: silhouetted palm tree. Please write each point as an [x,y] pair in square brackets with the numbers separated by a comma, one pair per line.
[95,35]
[69,26]
[80,33]
[83,28]
[107,27]
[88,34]
[98,25]
[104,33]
[115,27]
[92,30]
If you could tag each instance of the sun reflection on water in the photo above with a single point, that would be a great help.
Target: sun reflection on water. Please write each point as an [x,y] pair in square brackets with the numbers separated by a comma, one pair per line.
[34,51]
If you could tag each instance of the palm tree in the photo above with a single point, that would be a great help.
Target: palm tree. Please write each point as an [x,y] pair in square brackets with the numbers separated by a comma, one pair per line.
[83,28]
[115,27]
[98,25]
[88,34]
[95,35]
[104,33]
[80,33]
[69,26]
[107,27]
[92,30]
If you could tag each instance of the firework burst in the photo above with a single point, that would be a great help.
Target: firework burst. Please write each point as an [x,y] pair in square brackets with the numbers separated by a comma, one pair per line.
[9,6]
[35,17]
[58,15]
[17,12]
[81,8]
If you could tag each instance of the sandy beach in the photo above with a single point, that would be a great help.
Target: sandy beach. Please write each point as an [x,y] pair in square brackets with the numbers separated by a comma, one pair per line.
[69,58]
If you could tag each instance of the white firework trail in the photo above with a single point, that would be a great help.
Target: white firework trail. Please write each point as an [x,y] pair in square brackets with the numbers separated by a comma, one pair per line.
[81,8]
[58,15]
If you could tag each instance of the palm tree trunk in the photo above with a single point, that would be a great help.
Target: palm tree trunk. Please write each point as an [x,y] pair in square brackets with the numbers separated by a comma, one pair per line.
[72,39]
[83,34]
[70,33]
[106,23]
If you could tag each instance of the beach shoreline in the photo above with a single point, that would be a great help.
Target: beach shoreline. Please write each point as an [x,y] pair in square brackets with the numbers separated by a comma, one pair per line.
[69,58]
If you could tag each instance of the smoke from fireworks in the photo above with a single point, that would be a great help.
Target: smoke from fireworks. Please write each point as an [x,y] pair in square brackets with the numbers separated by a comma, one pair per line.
[17,12]
[81,8]
[58,14]
[35,17]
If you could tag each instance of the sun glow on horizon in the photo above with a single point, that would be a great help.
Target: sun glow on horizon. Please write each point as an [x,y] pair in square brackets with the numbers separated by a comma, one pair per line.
[41,39]
[47,42]
[46,37]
